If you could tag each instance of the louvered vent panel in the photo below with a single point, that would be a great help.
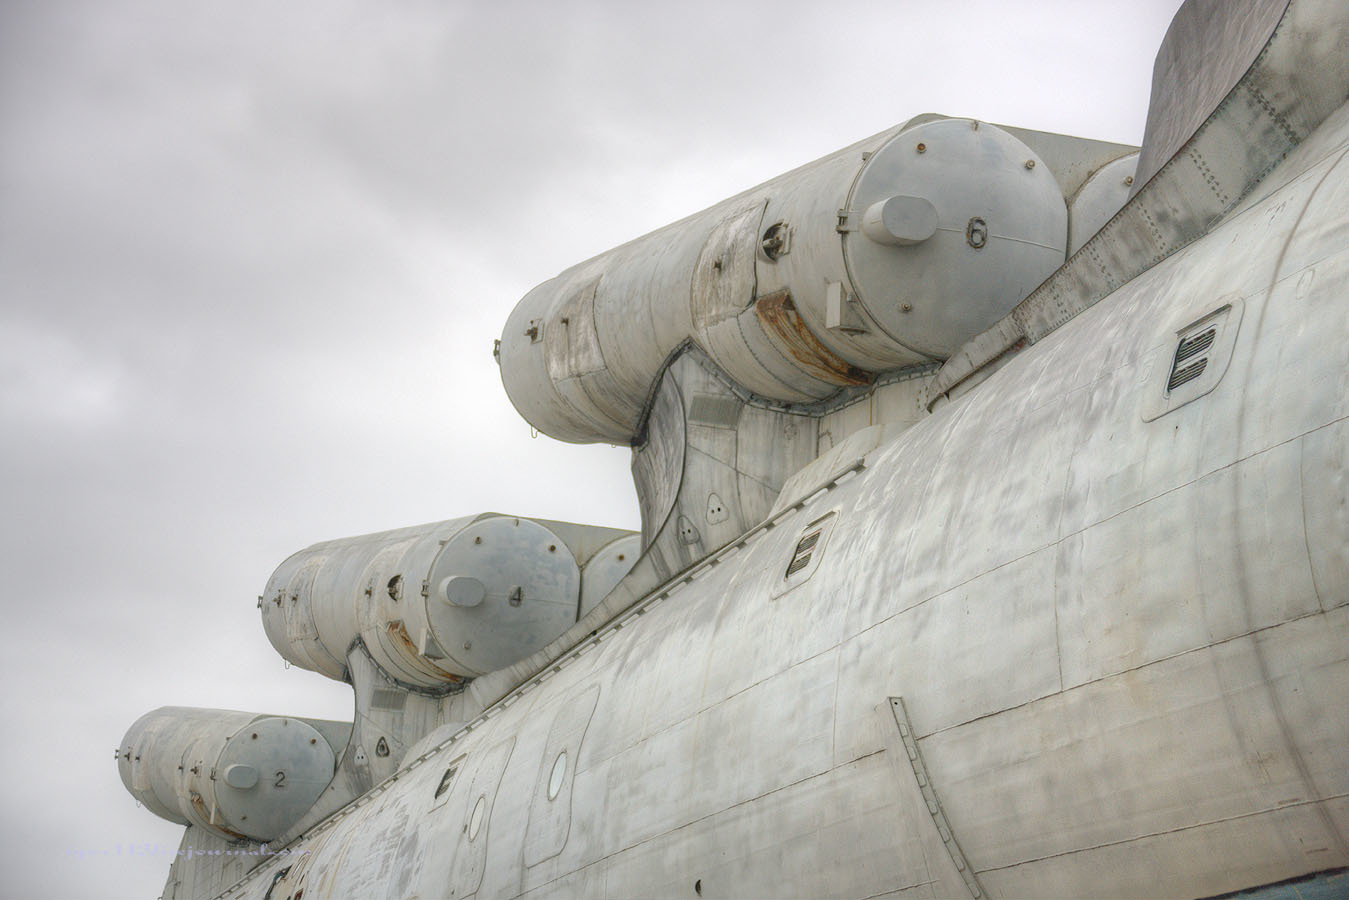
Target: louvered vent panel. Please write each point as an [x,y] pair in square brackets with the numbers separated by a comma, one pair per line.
[1186,373]
[719,412]
[1191,358]
[1200,356]
[804,549]
[383,698]
[1193,346]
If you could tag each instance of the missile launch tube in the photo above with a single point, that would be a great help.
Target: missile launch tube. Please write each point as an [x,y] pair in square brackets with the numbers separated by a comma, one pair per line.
[889,253]
[234,774]
[435,604]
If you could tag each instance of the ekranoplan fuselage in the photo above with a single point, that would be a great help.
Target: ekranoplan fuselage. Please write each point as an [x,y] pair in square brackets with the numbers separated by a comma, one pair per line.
[995,541]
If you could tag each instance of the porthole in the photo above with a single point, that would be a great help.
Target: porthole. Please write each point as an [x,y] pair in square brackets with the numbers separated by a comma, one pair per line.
[776,241]
[475,820]
[558,775]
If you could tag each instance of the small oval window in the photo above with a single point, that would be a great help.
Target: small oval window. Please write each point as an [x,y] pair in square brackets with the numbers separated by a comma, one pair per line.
[475,820]
[559,774]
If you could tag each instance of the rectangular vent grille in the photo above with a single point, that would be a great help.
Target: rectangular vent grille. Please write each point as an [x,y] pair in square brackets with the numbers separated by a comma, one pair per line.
[1186,373]
[1193,346]
[719,412]
[805,548]
[1182,370]
[382,698]
[445,780]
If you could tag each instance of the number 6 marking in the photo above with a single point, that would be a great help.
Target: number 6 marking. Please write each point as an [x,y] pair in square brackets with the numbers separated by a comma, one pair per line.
[976,233]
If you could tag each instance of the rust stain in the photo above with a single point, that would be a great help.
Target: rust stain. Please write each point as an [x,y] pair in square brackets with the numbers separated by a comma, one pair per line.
[400,634]
[780,320]
[200,806]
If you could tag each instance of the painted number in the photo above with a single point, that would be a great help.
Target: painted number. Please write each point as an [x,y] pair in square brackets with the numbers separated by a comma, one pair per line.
[976,233]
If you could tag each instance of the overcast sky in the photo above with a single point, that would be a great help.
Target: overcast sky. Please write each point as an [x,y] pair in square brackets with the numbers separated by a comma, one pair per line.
[253,256]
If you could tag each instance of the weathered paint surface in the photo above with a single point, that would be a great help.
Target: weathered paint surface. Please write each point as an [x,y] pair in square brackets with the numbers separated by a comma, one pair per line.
[778,314]
[1119,655]
[1048,622]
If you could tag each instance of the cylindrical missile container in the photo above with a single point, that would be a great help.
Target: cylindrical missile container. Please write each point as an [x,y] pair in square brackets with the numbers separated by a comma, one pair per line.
[890,253]
[238,775]
[1100,197]
[435,604]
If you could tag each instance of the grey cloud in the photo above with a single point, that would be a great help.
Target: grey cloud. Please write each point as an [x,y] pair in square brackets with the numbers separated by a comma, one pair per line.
[252,259]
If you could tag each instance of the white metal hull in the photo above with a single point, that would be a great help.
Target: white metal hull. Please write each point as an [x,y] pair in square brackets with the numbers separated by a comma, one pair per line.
[1122,644]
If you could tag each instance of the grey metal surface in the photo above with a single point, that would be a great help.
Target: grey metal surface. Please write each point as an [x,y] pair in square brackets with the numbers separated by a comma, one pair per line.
[1208,48]
[715,475]
[920,774]
[432,604]
[1099,198]
[230,774]
[1298,79]
[606,569]
[931,296]
[531,592]
[1114,601]
[269,775]
[1123,677]
[783,290]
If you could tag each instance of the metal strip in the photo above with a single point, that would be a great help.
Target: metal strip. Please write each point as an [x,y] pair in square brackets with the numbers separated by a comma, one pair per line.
[1203,181]
[930,797]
